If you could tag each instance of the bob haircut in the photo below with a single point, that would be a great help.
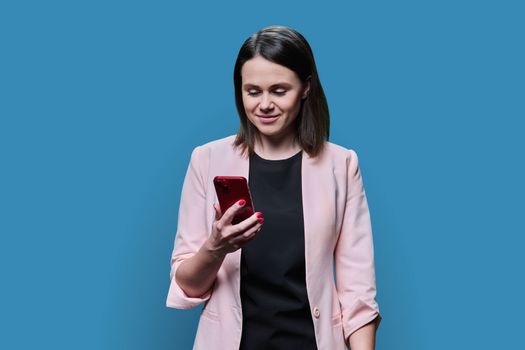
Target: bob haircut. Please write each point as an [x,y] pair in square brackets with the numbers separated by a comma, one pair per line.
[286,47]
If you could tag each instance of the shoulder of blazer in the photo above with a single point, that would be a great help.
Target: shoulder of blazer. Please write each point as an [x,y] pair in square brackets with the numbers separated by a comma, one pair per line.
[340,153]
[202,153]
[222,145]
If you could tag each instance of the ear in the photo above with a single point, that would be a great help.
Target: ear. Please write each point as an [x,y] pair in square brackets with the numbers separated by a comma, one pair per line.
[306,88]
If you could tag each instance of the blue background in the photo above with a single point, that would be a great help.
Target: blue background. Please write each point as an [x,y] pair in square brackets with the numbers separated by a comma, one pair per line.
[101,103]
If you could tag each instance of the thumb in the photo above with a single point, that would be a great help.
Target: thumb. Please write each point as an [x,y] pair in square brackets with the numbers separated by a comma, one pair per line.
[218,213]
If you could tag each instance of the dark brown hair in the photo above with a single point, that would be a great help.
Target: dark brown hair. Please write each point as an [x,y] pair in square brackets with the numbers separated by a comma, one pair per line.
[287,47]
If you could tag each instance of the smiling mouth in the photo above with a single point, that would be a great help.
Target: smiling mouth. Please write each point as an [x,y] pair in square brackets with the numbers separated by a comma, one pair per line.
[267,116]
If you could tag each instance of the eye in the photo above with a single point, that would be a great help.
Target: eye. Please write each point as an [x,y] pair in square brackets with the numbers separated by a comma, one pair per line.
[278,92]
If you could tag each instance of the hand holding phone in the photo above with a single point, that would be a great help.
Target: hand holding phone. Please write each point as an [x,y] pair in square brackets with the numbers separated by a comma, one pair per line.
[235,223]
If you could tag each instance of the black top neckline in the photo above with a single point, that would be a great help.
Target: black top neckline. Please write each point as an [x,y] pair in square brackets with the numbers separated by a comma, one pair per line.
[258,157]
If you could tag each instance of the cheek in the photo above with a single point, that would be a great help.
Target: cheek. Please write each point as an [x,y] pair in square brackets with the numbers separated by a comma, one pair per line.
[289,104]
[249,103]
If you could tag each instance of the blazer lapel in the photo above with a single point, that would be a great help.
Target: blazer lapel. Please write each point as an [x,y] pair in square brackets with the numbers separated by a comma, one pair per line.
[309,195]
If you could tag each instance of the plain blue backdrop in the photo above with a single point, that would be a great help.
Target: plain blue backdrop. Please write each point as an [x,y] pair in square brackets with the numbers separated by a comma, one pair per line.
[101,103]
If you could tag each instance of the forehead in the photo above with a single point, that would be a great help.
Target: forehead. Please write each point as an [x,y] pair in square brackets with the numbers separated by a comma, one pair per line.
[261,72]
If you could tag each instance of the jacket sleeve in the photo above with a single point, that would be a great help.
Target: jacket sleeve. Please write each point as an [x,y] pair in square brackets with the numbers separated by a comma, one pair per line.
[354,256]
[191,229]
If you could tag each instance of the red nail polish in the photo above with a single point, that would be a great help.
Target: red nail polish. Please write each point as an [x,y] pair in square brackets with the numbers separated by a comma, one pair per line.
[258,214]
[261,220]
[242,202]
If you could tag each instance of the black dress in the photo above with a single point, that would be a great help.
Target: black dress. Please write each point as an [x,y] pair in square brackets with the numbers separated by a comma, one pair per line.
[275,308]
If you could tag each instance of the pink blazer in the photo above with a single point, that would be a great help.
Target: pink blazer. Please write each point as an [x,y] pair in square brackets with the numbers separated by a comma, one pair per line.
[338,233]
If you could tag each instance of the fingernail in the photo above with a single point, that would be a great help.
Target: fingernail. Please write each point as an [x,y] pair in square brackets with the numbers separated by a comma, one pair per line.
[261,220]
[258,214]
[242,202]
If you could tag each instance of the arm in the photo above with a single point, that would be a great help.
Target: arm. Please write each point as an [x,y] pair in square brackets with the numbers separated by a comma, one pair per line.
[354,264]
[200,267]
[196,275]
[365,337]
[198,255]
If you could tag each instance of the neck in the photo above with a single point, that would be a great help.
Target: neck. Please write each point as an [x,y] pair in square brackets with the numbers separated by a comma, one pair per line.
[275,147]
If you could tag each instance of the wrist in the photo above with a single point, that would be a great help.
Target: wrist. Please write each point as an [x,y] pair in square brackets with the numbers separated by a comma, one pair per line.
[212,251]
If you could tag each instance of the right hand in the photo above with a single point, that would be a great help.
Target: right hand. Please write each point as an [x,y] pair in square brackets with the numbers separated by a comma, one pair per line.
[226,237]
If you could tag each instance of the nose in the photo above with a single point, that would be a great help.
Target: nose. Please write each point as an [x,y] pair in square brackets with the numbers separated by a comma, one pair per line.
[266,102]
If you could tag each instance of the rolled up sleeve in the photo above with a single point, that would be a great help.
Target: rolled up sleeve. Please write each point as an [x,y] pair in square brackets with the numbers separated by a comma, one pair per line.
[191,229]
[354,256]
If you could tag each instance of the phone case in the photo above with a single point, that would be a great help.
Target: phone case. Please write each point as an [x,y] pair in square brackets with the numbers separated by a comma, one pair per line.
[229,190]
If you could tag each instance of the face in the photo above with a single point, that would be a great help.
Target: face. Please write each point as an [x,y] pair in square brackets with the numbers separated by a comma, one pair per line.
[271,95]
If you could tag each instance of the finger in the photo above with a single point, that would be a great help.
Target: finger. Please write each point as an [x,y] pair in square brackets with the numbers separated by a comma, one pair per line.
[228,215]
[247,235]
[247,223]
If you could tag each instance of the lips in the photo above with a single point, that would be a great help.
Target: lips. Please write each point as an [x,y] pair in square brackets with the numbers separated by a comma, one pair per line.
[267,119]
[267,116]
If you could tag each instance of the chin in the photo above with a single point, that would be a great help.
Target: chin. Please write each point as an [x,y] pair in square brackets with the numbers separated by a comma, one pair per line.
[270,131]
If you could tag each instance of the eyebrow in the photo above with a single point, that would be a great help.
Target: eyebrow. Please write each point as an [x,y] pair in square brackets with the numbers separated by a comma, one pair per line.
[285,84]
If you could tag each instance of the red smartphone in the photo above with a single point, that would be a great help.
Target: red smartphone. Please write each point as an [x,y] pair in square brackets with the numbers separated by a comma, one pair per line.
[231,189]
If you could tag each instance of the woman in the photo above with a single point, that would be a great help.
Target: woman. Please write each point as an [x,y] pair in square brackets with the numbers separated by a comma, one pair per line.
[268,281]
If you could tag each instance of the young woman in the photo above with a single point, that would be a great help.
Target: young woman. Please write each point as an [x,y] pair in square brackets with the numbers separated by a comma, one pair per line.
[268,282]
